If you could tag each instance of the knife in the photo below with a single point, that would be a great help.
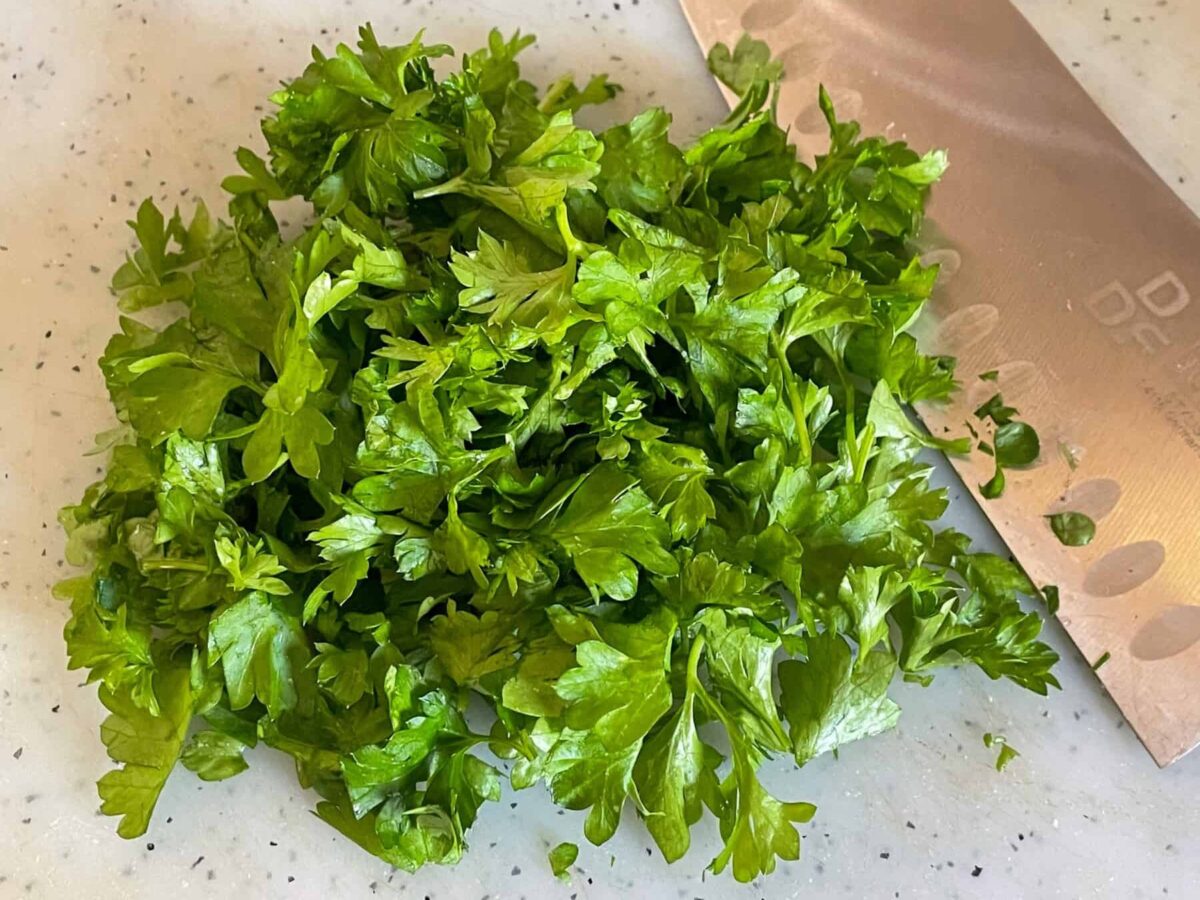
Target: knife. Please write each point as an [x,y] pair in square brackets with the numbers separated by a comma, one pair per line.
[1069,268]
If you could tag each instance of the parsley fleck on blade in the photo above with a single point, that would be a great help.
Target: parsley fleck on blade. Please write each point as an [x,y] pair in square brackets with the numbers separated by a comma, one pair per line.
[1073,529]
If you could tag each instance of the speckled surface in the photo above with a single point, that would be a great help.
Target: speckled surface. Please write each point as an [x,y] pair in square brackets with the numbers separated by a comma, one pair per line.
[104,102]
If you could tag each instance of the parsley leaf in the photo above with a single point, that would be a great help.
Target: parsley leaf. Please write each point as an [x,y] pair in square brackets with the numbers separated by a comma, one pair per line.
[562,857]
[1073,529]
[145,745]
[608,526]
[670,775]
[830,701]
[263,654]
[214,756]
[583,774]
[1016,444]
[614,696]
[1007,752]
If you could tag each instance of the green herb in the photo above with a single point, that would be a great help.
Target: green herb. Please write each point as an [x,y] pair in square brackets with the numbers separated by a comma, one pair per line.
[538,420]
[1073,529]
[1104,657]
[993,408]
[214,756]
[1007,752]
[989,375]
[994,486]
[1013,443]
[1016,444]
[562,858]
[1050,598]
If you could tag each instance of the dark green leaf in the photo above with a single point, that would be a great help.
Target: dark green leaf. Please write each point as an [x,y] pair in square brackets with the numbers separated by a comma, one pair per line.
[1016,444]
[994,486]
[1073,529]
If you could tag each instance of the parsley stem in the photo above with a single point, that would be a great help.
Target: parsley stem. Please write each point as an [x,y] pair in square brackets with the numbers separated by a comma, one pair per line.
[446,187]
[693,662]
[789,386]
[576,249]
[182,565]
[553,94]
[863,453]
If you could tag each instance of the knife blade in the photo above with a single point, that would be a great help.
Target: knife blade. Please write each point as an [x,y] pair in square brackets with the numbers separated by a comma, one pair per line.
[1068,267]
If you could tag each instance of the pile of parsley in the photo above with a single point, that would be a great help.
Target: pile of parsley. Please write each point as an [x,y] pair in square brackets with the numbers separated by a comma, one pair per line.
[540,455]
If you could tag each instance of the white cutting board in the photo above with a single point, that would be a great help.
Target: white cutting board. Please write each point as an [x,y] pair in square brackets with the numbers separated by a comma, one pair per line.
[102,102]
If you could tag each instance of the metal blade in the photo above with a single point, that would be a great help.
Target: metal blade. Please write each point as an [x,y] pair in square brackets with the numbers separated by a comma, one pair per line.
[1068,266]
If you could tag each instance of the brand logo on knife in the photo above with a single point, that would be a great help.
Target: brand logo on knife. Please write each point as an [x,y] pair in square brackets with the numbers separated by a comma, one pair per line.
[1138,315]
